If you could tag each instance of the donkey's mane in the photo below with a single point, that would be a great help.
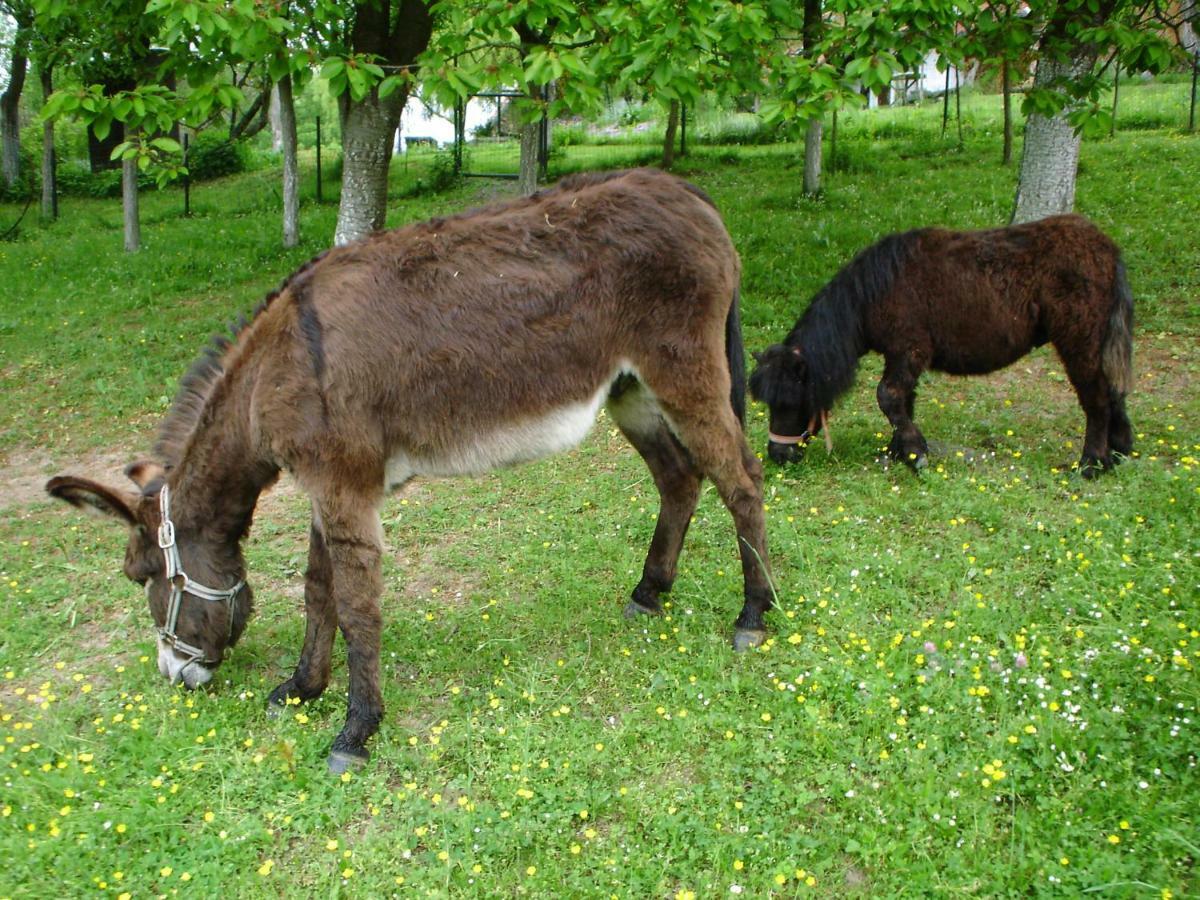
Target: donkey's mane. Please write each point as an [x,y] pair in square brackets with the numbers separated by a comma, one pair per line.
[197,385]
[830,332]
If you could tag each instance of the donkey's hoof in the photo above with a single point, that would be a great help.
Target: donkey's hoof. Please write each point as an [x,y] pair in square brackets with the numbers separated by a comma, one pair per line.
[633,609]
[748,638]
[342,761]
[921,462]
[275,709]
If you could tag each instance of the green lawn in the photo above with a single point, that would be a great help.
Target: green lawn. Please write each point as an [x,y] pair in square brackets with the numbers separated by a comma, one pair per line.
[981,680]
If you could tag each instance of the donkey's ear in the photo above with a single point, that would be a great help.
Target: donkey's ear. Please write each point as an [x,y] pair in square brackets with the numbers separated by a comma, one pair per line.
[144,472]
[92,497]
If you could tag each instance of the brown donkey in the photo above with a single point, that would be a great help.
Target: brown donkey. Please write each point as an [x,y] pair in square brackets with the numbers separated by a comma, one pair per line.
[445,348]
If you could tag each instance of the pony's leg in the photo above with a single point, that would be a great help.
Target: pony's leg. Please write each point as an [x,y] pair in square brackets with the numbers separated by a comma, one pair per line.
[312,671]
[1092,389]
[354,537]
[678,483]
[1120,429]
[896,394]
[714,439]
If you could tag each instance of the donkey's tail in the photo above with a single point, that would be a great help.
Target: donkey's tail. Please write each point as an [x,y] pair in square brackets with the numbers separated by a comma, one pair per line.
[735,353]
[1116,353]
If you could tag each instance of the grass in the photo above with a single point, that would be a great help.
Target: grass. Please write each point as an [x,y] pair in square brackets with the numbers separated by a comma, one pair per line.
[981,680]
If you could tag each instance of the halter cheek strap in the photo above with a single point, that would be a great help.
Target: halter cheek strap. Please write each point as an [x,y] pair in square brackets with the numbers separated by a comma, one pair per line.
[807,435]
[181,584]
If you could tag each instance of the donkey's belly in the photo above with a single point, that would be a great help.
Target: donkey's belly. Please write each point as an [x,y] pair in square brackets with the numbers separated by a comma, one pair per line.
[506,444]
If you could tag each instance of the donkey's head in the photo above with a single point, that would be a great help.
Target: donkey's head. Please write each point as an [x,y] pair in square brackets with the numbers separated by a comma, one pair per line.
[199,607]
[781,380]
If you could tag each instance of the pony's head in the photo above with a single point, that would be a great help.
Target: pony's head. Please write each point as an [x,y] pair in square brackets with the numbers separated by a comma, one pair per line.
[781,380]
[198,610]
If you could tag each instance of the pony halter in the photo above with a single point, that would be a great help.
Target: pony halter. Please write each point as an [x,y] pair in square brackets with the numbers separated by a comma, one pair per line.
[181,584]
[804,438]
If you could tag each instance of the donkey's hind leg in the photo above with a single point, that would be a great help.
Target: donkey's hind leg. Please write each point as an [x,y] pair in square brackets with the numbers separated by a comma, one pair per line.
[714,440]
[678,481]
[312,671]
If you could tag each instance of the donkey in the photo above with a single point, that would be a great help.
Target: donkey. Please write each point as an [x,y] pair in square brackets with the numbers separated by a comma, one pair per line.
[967,303]
[450,347]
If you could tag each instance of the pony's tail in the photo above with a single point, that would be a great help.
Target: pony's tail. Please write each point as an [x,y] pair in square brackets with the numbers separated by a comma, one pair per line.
[1116,353]
[735,353]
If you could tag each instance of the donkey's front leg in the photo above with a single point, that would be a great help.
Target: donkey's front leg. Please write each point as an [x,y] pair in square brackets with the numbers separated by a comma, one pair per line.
[354,538]
[312,671]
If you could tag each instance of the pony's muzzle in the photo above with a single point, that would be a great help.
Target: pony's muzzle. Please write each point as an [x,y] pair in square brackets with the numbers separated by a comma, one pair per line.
[782,454]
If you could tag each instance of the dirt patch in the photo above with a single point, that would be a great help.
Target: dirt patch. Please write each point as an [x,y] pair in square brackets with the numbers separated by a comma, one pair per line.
[24,473]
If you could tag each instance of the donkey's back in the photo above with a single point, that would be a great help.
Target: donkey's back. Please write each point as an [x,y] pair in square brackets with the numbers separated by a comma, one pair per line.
[506,325]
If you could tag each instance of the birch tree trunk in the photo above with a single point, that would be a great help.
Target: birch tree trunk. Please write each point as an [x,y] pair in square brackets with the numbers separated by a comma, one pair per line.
[10,100]
[812,157]
[129,205]
[49,156]
[291,173]
[368,127]
[1050,152]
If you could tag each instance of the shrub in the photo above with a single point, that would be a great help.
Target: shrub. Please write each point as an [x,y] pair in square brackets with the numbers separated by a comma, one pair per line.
[211,155]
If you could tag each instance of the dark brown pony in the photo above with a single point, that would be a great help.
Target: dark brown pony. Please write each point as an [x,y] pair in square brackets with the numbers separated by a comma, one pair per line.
[446,348]
[963,302]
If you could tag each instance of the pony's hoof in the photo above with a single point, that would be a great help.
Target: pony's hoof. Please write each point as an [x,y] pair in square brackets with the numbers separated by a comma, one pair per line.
[633,609]
[275,709]
[748,638]
[921,461]
[343,761]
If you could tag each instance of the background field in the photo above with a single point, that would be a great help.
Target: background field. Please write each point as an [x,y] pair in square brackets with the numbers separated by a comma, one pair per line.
[981,680]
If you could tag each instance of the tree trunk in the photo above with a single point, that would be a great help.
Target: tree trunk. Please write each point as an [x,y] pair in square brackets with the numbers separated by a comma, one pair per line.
[49,156]
[396,31]
[368,127]
[129,205]
[1050,152]
[291,172]
[276,124]
[812,157]
[527,177]
[10,101]
[1189,39]
[1006,83]
[668,151]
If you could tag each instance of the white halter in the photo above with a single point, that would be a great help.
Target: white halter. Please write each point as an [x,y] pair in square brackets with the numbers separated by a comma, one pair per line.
[181,584]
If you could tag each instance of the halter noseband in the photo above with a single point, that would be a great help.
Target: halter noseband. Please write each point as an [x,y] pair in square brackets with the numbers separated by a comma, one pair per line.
[804,438]
[181,584]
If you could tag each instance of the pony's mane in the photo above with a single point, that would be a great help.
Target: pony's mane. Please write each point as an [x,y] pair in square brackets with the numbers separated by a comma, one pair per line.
[197,385]
[830,332]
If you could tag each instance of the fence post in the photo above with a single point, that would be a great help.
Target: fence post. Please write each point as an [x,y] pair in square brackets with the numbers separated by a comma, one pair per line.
[1192,107]
[319,198]
[187,179]
[460,136]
